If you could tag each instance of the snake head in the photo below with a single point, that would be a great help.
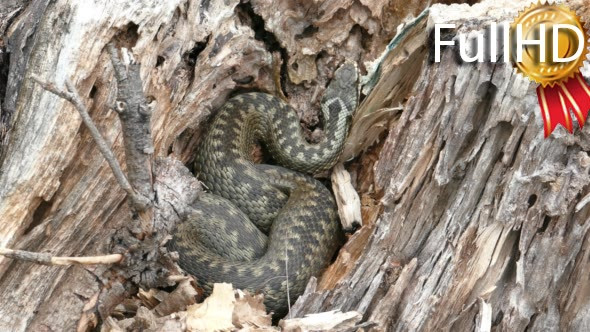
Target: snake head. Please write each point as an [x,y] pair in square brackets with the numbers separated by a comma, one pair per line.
[346,77]
[344,87]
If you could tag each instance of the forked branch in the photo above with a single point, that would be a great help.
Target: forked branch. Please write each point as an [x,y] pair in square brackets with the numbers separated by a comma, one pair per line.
[72,95]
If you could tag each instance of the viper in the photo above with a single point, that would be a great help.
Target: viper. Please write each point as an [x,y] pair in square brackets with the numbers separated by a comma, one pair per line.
[261,227]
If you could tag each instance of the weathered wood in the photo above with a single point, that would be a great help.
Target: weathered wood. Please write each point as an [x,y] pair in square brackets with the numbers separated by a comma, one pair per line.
[469,215]
[325,321]
[347,199]
[55,185]
[479,210]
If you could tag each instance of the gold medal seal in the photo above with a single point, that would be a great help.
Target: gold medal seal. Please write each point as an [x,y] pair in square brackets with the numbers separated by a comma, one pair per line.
[555,63]
[549,72]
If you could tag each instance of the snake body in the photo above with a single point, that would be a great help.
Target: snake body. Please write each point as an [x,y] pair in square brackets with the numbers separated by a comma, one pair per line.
[224,238]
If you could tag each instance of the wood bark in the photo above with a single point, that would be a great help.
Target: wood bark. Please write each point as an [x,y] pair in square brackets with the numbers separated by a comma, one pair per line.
[469,218]
[479,228]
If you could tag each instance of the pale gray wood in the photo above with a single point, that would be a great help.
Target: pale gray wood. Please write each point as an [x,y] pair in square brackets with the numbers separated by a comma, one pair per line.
[57,193]
[478,209]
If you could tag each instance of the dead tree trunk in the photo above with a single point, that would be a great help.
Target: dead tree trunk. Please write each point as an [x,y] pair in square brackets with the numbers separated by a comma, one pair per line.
[469,215]
[483,221]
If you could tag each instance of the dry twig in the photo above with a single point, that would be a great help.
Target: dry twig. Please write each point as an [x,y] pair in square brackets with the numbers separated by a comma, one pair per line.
[73,97]
[47,259]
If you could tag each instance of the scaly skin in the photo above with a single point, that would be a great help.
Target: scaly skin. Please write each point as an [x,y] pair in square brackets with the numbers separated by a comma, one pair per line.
[224,239]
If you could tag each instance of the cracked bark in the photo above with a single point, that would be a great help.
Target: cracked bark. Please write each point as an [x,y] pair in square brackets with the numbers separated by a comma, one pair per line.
[479,228]
[474,226]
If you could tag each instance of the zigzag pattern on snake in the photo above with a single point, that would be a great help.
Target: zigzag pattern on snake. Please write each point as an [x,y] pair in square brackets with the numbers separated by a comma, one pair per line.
[225,238]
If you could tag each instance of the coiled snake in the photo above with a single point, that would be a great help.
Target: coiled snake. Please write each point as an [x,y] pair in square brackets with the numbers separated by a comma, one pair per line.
[224,238]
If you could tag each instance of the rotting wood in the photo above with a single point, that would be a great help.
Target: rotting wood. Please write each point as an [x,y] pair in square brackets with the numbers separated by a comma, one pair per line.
[61,183]
[477,209]
[476,201]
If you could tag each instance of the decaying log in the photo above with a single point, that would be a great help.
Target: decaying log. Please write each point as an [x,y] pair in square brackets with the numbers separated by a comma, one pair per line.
[470,219]
[479,226]
[58,195]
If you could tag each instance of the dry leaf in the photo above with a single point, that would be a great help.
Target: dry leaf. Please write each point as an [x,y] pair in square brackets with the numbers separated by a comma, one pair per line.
[249,312]
[215,313]
[184,295]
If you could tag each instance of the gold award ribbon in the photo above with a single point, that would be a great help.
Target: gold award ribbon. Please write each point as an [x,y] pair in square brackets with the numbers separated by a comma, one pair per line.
[561,86]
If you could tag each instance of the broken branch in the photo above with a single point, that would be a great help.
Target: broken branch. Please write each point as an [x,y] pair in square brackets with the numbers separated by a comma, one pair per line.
[135,116]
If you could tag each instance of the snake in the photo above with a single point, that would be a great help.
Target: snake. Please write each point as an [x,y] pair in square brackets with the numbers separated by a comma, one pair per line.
[266,228]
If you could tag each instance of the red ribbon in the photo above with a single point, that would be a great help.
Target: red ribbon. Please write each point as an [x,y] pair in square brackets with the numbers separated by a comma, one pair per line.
[556,101]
